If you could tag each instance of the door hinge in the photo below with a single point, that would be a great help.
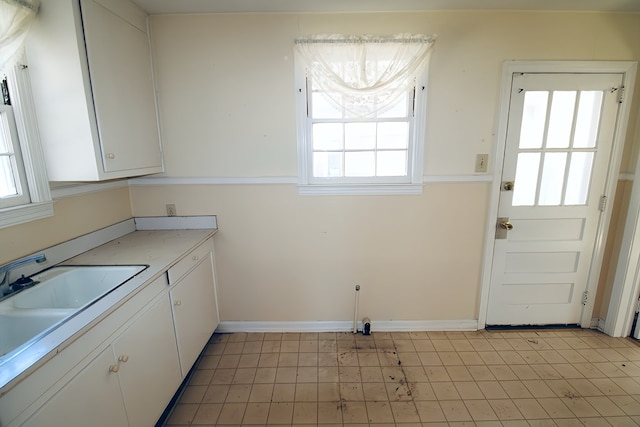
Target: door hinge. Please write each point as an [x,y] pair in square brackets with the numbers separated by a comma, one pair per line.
[638,307]
[603,203]
[620,90]
[585,297]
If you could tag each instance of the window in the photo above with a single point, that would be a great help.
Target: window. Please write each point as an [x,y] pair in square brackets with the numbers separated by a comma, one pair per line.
[361,113]
[24,187]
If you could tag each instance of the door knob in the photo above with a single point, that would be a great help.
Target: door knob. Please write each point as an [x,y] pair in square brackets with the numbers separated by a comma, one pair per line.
[506,225]
[114,368]
[507,186]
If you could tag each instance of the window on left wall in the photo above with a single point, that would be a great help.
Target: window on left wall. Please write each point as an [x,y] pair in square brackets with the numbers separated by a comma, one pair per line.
[24,186]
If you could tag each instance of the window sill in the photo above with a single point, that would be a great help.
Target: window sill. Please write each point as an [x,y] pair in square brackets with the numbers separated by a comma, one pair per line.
[25,213]
[359,190]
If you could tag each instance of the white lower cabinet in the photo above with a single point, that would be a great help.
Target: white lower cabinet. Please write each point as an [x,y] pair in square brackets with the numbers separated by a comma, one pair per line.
[134,359]
[129,383]
[92,398]
[148,359]
[195,311]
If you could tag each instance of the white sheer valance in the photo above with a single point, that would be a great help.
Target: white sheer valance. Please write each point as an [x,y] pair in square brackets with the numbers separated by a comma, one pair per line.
[16,17]
[365,75]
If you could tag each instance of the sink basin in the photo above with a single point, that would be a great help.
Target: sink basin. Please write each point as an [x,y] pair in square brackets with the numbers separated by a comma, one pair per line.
[73,287]
[61,292]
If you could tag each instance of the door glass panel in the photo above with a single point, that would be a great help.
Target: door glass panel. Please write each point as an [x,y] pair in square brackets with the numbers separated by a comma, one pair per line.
[588,119]
[578,179]
[533,119]
[524,192]
[552,179]
[561,119]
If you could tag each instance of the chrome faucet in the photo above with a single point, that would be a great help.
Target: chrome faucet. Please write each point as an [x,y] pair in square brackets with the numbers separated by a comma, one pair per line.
[6,269]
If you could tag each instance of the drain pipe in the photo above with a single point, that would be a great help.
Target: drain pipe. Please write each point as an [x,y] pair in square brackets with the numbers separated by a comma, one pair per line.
[355,314]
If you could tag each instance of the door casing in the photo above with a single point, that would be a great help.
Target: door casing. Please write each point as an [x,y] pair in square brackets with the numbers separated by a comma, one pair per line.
[628,69]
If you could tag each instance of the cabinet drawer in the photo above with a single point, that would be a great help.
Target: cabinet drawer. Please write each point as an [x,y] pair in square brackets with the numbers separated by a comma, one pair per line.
[190,261]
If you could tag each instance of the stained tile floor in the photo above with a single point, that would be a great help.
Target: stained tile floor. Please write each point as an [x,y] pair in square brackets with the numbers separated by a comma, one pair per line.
[565,377]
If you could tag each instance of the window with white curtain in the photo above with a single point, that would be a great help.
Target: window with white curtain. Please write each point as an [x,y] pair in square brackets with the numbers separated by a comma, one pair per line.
[361,113]
[24,187]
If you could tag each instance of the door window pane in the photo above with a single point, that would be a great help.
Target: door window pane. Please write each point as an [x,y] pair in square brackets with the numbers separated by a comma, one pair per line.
[561,119]
[588,119]
[552,179]
[361,163]
[524,193]
[534,114]
[392,163]
[393,135]
[327,136]
[360,136]
[578,179]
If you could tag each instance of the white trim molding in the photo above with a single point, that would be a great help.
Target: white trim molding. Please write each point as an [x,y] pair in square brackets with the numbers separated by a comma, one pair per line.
[347,326]
[286,180]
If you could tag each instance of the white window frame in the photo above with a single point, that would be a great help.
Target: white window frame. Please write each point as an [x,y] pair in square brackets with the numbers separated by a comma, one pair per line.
[36,202]
[309,185]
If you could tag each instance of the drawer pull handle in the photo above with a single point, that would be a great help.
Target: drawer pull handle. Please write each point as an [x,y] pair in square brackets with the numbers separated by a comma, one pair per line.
[110,156]
[124,358]
[177,302]
[114,368]
[196,257]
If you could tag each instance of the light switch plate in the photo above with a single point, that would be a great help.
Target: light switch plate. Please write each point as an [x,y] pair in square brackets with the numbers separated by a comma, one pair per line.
[482,161]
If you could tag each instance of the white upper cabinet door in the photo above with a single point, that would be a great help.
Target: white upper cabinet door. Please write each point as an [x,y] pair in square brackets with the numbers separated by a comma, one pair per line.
[91,74]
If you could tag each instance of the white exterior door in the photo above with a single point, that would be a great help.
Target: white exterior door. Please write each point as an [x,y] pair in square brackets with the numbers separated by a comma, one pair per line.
[560,133]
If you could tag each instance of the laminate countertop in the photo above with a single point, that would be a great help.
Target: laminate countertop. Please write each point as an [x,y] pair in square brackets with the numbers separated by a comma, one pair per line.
[158,249]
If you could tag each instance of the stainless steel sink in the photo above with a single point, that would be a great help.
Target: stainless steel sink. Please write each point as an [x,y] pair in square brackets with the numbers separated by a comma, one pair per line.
[60,292]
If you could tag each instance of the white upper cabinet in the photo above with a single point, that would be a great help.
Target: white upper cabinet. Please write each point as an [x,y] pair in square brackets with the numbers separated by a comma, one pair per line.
[91,75]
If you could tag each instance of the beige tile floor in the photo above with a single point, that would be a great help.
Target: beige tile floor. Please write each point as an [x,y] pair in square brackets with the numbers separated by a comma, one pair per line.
[514,378]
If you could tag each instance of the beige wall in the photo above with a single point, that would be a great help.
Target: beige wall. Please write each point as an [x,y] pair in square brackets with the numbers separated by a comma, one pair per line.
[227,104]
[73,217]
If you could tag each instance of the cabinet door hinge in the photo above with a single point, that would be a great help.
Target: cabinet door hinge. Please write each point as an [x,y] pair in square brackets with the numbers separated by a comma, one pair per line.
[585,297]
[603,203]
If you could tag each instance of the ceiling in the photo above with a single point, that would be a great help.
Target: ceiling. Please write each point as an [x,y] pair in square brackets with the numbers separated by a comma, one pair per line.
[239,6]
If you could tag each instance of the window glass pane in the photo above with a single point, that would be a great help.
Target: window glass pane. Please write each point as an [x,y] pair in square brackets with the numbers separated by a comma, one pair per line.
[361,163]
[561,119]
[524,191]
[327,136]
[8,185]
[323,109]
[359,136]
[588,119]
[399,109]
[534,113]
[392,163]
[552,179]
[327,165]
[393,135]
[578,179]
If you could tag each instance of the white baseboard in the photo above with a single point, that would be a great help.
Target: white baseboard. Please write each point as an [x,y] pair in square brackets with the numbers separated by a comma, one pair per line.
[347,326]
[598,324]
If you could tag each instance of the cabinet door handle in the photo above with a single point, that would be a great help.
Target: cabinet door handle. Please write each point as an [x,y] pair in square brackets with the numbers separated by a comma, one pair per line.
[114,368]
[110,156]
[196,257]
[177,302]
[123,358]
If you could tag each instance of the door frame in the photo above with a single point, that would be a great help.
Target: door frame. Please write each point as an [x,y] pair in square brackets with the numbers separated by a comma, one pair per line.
[628,70]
